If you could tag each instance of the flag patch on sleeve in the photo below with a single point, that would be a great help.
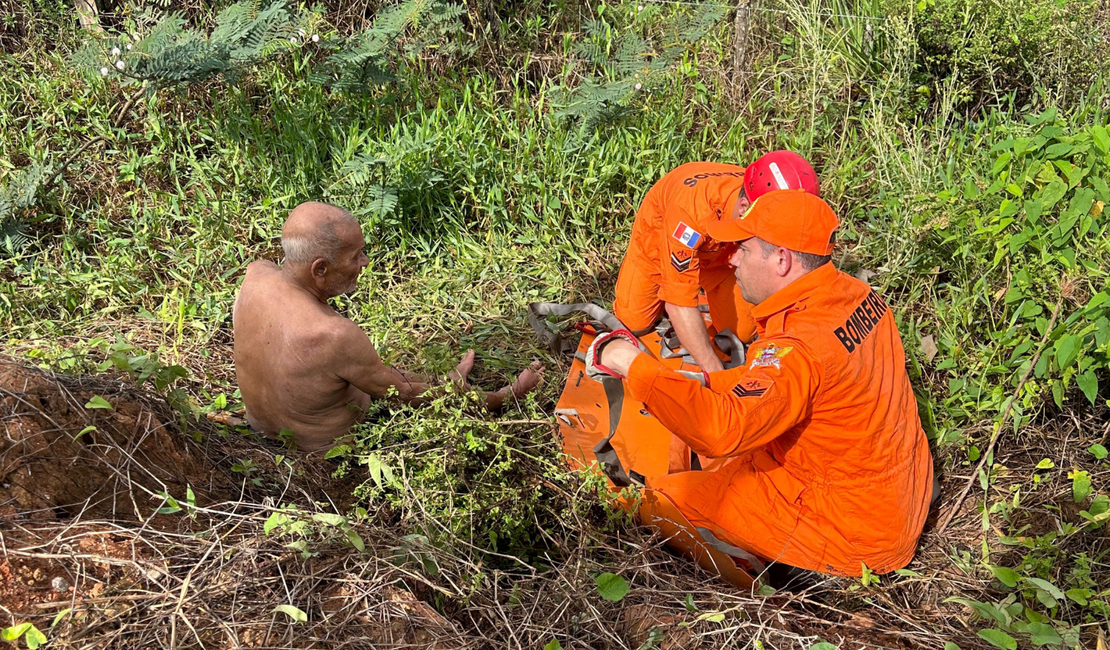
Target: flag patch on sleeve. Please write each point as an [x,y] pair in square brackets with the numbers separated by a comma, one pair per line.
[752,387]
[687,235]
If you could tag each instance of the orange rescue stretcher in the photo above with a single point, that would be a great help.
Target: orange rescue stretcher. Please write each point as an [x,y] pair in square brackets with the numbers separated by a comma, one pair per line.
[606,430]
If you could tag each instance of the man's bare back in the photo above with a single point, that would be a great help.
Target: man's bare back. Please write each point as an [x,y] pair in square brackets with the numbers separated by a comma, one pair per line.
[303,367]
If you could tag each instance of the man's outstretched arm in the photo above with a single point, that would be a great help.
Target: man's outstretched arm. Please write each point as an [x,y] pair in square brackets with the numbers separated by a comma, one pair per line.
[694,336]
[358,362]
[750,408]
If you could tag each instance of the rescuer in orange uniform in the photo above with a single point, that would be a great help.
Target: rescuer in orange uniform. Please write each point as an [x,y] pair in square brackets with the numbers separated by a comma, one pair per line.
[830,465]
[671,258]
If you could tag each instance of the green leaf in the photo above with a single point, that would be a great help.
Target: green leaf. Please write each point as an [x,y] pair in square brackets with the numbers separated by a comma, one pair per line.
[378,469]
[1101,138]
[1098,512]
[356,541]
[999,639]
[1042,634]
[1046,464]
[824,645]
[690,606]
[1052,194]
[1079,595]
[948,645]
[273,521]
[1098,451]
[712,617]
[14,632]
[59,616]
[98,402]
[1067,349]
[1052,589]
[297,615]
[1088,383]
[1006,576]
[329,519]
[171,505]
[553,644]
[1080,485]
[190,498]
[907,573]
[985,610]
[612,587]
[88,429]
[336,451]
[34,638]
[1000,164]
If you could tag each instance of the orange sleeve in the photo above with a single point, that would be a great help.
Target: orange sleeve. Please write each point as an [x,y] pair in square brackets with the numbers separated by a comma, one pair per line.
[678,261]
[744,408]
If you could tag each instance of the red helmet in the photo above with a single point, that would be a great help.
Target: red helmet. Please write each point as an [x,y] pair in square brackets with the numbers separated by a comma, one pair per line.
[779,170]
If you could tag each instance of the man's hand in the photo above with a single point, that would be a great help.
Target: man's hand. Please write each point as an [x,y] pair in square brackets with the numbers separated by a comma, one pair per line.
[694,336]
[611,354]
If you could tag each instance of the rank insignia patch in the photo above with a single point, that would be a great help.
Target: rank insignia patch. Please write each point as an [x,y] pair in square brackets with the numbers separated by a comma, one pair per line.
[752,387]
[681,259]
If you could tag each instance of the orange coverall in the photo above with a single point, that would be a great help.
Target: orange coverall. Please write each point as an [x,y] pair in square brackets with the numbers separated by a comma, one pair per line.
[670,258]
[830,465]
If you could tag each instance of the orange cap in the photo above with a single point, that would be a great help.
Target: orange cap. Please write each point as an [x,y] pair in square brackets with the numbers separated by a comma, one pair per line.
[793,219]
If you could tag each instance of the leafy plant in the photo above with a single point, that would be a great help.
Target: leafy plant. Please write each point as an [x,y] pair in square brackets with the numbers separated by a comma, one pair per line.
[612,587]
[32,636]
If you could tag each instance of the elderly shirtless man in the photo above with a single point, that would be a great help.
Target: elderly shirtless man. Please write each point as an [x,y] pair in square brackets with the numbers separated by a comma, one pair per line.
[301,365]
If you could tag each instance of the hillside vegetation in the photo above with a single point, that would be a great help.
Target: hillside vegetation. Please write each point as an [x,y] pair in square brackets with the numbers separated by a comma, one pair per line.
[495,152]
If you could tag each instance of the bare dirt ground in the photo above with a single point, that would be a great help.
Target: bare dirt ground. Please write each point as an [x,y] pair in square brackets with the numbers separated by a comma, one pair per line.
[90,560]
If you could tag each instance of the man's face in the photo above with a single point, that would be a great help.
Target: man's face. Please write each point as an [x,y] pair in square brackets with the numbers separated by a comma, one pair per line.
[342,274]
[754,271]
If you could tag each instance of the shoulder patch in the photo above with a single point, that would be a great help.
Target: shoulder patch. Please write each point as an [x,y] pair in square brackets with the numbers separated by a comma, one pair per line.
[681,259]
[752,387]
[769,356]
[686,235]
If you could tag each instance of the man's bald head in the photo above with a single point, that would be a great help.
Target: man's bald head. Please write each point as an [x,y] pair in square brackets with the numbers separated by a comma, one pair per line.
[317,231]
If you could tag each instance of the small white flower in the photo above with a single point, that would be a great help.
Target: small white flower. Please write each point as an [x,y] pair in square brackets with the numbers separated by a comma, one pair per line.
[315,38]
[301,32]
[135,37]
[104,72]
[115,51]
[120,65]
[868,26]
[128,47]
[639,86]
[640,8]
[293,40]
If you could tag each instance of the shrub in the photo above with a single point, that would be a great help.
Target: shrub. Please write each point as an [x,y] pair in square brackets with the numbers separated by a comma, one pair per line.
[987,49]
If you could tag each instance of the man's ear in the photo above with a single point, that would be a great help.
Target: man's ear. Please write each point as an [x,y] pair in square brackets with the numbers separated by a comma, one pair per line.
[786,261]
[319,268]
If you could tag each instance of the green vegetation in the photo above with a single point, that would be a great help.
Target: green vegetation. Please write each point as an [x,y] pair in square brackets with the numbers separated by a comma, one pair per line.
[496,153]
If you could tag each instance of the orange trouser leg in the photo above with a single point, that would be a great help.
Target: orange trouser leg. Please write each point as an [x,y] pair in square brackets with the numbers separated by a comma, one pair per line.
[742,506]
[729,310]
[637,302]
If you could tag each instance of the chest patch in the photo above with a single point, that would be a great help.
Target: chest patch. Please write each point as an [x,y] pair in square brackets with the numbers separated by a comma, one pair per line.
[687,235]
[752,387]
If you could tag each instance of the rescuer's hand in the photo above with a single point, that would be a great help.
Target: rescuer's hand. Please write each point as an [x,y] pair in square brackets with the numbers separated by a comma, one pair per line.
[620,348]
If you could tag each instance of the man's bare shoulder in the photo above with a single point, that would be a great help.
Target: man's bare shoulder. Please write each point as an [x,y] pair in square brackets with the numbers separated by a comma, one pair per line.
[262,268]
[341,339]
